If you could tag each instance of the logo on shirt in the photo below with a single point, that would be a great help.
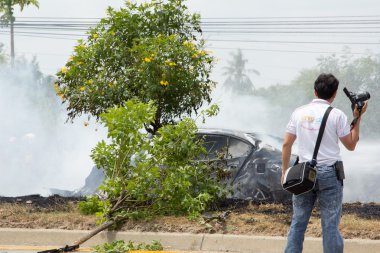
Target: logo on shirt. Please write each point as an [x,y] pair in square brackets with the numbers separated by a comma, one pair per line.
[311,123]
[307,119]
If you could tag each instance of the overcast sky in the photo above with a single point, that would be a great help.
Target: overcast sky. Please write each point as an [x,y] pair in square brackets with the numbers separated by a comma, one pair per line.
[277,62]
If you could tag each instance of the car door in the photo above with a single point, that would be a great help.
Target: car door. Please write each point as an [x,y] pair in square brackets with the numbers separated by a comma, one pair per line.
[237,153]
[216,146]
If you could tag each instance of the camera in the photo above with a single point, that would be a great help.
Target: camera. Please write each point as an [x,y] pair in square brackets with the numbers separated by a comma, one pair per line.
[357,99]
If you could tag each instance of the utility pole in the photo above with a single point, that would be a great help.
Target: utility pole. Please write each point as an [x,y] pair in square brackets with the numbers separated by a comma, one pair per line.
[12,20]
[6,6]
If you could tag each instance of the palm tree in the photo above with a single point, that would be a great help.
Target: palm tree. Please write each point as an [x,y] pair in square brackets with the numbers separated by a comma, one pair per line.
[2,55]
[238,80]
[6,7]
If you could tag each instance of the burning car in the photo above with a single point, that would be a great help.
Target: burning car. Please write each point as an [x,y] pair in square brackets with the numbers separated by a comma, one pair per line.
[252,161]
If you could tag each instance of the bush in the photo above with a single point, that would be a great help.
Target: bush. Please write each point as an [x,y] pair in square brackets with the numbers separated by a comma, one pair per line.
[119,246]
[152,176]
[92,205]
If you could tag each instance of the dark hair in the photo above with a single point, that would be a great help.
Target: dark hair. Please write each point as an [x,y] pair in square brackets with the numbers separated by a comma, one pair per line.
[326,85]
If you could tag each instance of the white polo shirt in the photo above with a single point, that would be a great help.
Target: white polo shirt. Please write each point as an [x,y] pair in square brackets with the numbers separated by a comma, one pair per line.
[305,123]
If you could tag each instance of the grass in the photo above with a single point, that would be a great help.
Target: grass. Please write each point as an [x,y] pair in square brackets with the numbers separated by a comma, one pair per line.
[358,220]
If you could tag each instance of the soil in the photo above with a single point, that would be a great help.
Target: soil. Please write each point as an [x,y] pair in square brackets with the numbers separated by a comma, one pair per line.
[55,212]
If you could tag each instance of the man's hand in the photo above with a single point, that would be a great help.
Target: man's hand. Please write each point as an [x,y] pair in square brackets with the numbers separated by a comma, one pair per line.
[364,108]
[351,139]
[286,152]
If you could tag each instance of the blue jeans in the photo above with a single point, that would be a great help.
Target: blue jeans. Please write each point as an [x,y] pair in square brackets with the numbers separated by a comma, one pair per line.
[329,192]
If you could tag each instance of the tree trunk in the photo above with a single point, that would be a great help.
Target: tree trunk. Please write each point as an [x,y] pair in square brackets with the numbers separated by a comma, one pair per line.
[94,232]
[11,20]
[12,42]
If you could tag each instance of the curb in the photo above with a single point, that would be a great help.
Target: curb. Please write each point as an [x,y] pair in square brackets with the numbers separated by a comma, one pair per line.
[176,241]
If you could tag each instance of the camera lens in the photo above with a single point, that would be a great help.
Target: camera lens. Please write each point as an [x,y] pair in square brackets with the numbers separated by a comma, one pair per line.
[363,96]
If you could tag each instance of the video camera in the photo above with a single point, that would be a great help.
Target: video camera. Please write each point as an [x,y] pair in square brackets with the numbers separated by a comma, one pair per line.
[357,99]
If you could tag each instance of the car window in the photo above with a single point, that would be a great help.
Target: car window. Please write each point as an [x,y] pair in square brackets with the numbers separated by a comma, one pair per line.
[238,148]
[215,144]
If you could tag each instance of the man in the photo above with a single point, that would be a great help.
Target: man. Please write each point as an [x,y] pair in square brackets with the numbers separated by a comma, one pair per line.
[304,126]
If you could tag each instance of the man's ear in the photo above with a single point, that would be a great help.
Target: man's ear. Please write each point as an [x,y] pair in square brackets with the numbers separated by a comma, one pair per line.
[315,93]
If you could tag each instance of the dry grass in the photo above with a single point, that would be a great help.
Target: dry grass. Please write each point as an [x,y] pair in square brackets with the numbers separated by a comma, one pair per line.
[62,217]
[358,221]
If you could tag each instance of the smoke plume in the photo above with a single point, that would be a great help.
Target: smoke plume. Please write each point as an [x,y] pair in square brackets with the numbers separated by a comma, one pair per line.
[38,150]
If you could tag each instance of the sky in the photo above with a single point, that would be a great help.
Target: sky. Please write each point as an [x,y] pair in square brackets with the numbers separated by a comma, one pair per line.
[278,63]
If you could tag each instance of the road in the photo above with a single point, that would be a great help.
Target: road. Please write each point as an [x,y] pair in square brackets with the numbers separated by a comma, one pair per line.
[33,249]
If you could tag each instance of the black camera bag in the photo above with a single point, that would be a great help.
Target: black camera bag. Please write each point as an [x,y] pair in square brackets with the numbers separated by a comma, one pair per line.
[301,177]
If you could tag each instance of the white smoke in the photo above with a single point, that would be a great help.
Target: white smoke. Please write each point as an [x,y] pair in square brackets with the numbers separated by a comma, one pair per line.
[362,169]
[38,150]
[245,113]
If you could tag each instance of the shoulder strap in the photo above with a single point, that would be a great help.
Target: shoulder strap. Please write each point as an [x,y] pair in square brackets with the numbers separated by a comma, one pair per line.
[320,135]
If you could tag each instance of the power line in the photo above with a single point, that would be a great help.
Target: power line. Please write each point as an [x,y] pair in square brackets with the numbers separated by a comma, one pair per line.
[285,51]
[65,18]
[297,17]
[41,33]
[296,42]
[264,17]
[37,36]
[290,32]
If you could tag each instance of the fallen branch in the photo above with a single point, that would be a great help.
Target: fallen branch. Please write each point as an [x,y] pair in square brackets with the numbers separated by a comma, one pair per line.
[82,240]
[94,232]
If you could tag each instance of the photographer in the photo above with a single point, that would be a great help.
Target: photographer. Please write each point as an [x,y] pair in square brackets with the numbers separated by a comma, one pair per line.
[304,126]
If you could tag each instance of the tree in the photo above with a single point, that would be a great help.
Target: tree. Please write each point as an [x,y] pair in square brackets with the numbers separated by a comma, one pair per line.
[150,51]
[238,80]
[6,7]
[357,74]
[147,177]
[2,55]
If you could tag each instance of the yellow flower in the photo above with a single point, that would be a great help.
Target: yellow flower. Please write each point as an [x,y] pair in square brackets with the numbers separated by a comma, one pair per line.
[81,88]
[56,88]
[79,63]
[63,70]
[152,55]
[71,58]
[82,46]
[195,56]
[95,35]
[189,44]
[146,59]
[164,83]
[170,63]
[89,82]
[113,33]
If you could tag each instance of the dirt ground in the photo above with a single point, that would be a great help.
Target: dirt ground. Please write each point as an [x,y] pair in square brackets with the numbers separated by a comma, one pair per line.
[358,220]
